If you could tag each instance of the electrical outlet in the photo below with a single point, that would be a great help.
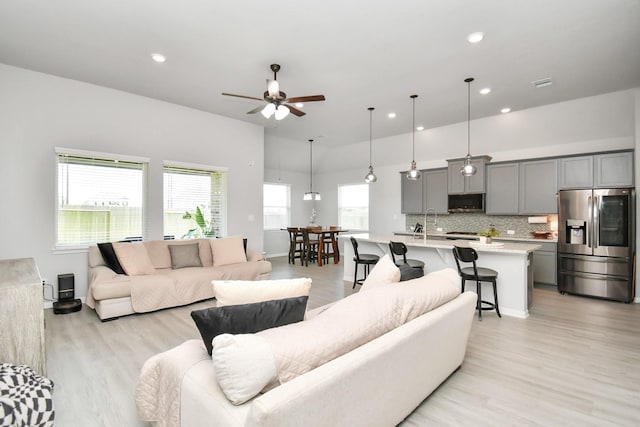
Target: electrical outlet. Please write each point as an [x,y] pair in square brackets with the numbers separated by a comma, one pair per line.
[511,232]
[439,229]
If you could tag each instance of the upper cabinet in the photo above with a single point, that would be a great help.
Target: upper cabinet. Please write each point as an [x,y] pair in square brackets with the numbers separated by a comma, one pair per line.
[411,195]
[434,187]
[613,170]
[459,184]
[596,171]
[538,187]
[502,189]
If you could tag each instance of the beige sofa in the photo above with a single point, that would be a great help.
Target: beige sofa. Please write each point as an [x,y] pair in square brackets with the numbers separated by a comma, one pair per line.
[112,295]
[378,383]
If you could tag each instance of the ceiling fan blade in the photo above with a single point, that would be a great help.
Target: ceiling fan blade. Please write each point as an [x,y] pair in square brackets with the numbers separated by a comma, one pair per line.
[242,96]
[307,98]
[293,110]
[273,88]
[256,110]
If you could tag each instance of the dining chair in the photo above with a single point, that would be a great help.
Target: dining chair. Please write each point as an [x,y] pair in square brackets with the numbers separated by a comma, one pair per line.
[478,275]
[330,248]
[310,252]
[296,245]
[367,260]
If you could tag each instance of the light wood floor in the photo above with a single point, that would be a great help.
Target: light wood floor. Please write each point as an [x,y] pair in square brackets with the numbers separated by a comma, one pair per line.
[574,361]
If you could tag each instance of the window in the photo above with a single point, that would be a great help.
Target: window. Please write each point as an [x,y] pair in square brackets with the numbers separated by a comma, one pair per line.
[277,206]
[353,206]
[100,197]
[195,201]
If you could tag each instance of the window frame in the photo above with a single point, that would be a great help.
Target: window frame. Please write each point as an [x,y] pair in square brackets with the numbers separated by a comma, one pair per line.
[287,207]
[340,207]
[110,157]
[196,167]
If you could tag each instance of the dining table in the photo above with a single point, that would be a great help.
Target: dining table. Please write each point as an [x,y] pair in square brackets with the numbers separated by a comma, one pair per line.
[326,234]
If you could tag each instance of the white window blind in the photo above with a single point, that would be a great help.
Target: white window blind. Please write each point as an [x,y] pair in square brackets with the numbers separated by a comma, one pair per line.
[195,202]
[98,199]
[353,206]
[277,206]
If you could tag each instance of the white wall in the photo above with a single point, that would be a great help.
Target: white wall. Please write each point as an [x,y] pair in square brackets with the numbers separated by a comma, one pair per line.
[39,112]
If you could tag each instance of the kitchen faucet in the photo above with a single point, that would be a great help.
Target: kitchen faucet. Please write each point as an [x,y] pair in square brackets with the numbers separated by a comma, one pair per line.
[435,220]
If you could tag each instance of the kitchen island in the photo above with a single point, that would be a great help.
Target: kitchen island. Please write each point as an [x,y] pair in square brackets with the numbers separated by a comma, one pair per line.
[512,261]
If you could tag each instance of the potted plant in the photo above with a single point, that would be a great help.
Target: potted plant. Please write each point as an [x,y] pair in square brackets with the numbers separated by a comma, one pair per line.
[486,236]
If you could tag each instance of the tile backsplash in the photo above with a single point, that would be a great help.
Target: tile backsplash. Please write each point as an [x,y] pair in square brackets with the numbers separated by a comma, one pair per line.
[478,221]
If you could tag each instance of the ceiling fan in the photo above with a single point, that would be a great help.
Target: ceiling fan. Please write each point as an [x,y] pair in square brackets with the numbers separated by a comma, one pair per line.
[277,102]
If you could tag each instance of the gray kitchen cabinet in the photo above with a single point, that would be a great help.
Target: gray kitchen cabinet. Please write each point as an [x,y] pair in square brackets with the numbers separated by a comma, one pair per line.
[613,170]
[435,190]
[411,195]
[538,187]
[544,264]
[575,172]
[459,184]
[502,189]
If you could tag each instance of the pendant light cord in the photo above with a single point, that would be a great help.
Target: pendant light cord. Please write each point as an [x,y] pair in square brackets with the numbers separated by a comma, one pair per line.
[413,124]
[469,118]
[370,131]
[311,165]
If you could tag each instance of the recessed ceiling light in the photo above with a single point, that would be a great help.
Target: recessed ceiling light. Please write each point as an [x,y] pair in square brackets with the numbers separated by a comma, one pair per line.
[505,110]
[475,37]
[420,128]
[391,115]
[299,104]
[485,90]
[158,57]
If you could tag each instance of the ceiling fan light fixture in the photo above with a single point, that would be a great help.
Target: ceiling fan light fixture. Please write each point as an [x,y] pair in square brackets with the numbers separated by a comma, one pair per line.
[273,88]
[281,112]
[268,110]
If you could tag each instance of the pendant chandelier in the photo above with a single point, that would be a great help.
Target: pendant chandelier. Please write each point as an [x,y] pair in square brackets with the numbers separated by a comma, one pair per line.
[468,168]
[370,177]
[414,173]
[311,195]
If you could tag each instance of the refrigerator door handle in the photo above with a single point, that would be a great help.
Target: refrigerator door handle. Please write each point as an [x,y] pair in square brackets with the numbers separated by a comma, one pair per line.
[590,221]
[596,221]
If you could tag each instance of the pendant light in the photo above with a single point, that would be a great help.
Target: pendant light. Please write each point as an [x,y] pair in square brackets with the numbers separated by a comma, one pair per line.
[414,173]
[311,195]
[370,177]
[468,168]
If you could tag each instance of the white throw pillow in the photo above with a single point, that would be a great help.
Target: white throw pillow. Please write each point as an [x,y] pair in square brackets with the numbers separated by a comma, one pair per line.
[244,365]
[228,250]
[383,273]
[234,292]
[134,259]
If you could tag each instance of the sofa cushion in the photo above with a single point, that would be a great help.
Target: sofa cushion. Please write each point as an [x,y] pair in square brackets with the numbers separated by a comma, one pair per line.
[247,318]
[384,272]
[133,258]
[110,257]
[228,250]
[231,292]
[233,353]
[158,251]
[183,256]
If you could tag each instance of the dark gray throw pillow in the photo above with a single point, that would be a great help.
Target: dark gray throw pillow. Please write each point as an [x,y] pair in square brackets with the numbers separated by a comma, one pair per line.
[183,256]
[248,318]
[110,257]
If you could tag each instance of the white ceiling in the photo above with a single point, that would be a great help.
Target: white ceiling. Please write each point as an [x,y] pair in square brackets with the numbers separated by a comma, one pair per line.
[358,54]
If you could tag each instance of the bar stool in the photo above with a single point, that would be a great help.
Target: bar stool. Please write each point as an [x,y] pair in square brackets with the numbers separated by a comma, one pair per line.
[296,245]
[310,251]
[365,259]
[477,274]
[400,249]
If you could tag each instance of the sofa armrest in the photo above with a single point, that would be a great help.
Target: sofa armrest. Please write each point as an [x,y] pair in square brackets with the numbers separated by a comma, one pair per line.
[255,256]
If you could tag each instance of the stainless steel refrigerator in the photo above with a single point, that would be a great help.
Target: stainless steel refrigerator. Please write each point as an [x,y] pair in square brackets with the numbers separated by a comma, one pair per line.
[596,243]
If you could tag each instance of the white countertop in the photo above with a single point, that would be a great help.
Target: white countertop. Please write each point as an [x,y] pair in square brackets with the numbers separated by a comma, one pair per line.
[513,248]
[472,237]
